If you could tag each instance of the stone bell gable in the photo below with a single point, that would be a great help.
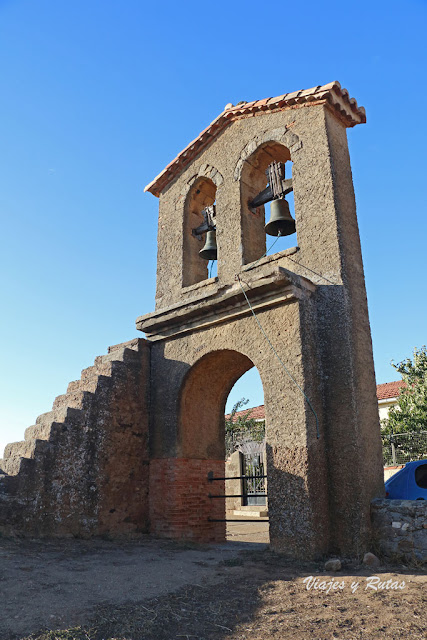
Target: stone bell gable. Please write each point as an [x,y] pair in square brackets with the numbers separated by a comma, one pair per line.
[323,440]
[226,164]
[338,99]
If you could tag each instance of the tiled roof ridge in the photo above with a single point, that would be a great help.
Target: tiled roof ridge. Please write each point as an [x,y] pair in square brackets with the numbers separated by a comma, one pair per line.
[332,93]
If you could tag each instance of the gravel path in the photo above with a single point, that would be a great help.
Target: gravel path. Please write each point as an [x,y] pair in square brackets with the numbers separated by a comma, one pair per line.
[59,583]
[158,590]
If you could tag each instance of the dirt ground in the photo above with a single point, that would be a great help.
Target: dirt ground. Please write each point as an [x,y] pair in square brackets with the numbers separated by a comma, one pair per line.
[149,589]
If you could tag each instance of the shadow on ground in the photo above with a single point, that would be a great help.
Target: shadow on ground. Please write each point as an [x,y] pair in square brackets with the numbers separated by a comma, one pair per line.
[150,589]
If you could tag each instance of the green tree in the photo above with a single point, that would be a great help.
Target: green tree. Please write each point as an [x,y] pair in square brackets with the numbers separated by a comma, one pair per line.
[410,412]
[242,428]
[243,422]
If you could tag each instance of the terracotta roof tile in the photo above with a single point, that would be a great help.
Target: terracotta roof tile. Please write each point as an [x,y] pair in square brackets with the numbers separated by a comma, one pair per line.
[307,92]
[278,99]
[292,95]
[257,413]
[250,104]
[389,389]
[337,97]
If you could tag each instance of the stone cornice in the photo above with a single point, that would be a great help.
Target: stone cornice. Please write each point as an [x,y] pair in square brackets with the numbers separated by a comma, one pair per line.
[265,288]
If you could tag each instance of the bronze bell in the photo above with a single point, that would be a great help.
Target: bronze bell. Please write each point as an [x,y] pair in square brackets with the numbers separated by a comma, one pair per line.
[209,251]
[281,222]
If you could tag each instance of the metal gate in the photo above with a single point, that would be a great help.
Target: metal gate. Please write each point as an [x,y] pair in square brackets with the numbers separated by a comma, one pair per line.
[253,474]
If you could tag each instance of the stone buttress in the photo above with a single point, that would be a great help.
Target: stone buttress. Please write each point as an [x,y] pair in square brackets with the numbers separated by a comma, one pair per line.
[82,469]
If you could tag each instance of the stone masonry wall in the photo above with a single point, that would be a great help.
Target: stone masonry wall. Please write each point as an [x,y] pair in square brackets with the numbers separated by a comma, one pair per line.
[296,471]
[233,469]
[400,529]
[82,469]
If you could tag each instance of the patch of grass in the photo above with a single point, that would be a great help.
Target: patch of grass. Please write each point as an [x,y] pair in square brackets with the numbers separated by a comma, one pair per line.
[232,562]
[75,633]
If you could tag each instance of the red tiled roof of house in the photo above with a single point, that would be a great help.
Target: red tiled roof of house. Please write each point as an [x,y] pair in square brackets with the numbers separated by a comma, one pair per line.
[257,413]
[331,93]
[384,391]
[389,389]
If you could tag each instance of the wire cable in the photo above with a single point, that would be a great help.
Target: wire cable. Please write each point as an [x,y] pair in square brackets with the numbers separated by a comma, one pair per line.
[278,357]
[251,266]
[312,270]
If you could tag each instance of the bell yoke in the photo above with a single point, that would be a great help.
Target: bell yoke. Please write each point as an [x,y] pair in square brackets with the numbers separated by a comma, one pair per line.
[281,222]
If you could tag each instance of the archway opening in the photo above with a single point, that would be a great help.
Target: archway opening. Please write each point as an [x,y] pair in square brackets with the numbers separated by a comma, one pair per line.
[201,451]
[246,464]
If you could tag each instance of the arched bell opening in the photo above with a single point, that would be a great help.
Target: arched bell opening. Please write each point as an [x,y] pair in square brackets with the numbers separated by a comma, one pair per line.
[195,267]
[257,175]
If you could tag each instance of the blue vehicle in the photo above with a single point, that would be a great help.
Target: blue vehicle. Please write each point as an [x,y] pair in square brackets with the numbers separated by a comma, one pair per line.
[410,483]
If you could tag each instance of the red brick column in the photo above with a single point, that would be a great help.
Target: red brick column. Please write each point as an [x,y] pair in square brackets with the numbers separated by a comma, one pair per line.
[179,502]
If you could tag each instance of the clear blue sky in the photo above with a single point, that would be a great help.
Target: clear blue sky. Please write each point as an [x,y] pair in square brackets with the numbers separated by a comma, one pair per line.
[99,96]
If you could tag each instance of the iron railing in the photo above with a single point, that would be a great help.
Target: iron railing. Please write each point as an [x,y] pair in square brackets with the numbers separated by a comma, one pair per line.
[212,478]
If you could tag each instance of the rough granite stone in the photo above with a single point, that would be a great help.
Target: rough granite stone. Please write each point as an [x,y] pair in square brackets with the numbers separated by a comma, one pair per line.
[333,565]
[86,472]
[371,560]
[399,529]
